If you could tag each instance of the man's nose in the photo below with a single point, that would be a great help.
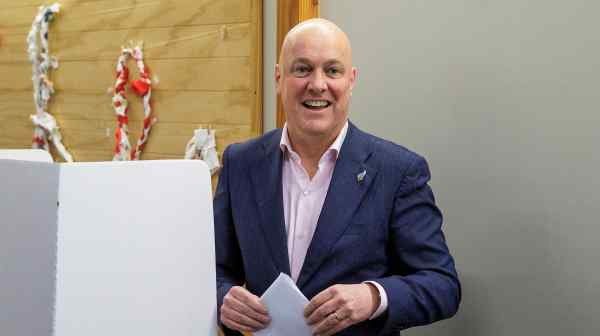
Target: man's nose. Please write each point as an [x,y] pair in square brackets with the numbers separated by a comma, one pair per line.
[317,82]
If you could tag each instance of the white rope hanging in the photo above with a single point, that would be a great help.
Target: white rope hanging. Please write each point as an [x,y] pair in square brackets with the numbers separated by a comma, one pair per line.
[203,145]
[46,128]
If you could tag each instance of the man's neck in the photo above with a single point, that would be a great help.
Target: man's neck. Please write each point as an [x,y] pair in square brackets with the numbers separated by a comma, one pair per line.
[311,148]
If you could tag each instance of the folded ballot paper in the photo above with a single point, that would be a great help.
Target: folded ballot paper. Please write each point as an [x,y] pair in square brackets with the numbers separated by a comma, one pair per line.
[286,305]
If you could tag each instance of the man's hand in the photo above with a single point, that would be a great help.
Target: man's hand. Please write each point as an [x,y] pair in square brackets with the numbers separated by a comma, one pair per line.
[243,311]
[341,306]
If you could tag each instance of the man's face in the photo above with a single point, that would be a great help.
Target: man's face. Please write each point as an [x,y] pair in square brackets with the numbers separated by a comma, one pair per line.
[315,79]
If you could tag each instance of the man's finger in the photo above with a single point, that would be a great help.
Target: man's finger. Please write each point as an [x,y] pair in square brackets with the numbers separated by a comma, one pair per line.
[249,299]
[323,311]
[337,328]
[232,302]
[325,325]
[234,325]
[318,300]
[241,319]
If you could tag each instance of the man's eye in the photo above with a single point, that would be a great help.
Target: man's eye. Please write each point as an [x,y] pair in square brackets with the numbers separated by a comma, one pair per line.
[333,71]
[301,70]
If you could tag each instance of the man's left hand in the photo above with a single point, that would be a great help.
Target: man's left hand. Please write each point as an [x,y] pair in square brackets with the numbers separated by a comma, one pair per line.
[340,306]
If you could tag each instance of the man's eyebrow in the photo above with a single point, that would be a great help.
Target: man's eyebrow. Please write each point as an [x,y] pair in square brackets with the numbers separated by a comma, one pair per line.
[333,62]
[327,63]
[306,60]
[301,60]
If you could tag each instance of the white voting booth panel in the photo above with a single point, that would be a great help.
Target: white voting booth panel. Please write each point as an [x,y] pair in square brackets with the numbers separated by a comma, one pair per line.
[106,248]
[26,155]
[28,225]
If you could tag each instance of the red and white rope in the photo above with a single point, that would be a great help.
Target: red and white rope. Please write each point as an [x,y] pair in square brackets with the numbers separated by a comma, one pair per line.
[46,128]
[143,88]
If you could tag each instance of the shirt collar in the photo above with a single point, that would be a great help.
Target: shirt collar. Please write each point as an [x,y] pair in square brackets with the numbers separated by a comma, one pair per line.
[286,145]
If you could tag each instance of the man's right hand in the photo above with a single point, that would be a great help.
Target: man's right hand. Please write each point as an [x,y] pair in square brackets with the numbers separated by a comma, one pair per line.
[243,311]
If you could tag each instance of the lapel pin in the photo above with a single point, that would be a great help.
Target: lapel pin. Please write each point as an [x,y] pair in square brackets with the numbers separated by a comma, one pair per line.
[361,176]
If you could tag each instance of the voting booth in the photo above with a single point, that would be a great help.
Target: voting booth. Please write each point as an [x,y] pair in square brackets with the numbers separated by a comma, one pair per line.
[103,248]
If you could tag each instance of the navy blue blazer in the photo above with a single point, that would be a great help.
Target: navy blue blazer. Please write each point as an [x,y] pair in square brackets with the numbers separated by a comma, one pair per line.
[384,227]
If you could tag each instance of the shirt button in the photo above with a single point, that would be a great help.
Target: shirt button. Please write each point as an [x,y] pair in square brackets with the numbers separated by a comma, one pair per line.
[305,192]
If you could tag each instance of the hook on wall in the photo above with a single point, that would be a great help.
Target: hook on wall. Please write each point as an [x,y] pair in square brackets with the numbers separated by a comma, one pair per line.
[223,32]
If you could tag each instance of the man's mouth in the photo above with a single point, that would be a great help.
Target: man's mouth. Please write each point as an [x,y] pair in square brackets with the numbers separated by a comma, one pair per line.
[316,104]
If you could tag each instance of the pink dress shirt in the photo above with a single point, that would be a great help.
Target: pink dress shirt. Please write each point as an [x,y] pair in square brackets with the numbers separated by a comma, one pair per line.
[303,200]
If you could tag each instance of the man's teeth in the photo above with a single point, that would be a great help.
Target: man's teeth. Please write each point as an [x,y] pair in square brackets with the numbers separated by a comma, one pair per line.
[316,103]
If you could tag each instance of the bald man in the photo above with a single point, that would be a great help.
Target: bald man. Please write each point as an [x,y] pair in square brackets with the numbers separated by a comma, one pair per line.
[349,216]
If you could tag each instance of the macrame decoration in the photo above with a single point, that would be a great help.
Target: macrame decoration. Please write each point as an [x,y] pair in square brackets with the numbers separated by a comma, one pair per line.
[46,129]
[143,88]
[203,146]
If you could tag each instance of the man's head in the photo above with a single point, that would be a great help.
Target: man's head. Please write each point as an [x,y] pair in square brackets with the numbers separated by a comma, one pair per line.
[315,78]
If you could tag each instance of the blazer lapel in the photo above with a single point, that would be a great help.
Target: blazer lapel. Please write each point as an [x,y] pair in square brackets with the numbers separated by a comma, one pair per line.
[351,179]
[266,180]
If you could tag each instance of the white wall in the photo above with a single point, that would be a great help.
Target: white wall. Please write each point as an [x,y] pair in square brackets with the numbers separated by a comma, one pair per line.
[502,98]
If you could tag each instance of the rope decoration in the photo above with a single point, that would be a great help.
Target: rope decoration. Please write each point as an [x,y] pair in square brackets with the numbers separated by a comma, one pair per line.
[143,88]
[46,128]
[203,145]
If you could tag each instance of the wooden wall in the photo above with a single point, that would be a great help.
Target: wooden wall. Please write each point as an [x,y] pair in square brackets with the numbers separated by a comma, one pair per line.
[206,55]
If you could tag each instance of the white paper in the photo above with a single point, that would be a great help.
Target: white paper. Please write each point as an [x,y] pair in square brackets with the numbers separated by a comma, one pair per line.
[286,305]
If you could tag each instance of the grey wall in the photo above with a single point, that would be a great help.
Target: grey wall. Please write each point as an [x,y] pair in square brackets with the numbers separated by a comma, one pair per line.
[502,98]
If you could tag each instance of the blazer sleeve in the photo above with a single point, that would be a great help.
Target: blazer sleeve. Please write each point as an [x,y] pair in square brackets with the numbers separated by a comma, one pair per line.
[424,287]
[229,266]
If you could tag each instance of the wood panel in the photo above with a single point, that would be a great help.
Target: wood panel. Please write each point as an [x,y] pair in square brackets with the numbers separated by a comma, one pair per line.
[196,107]
[126,14]
[228,40]
[200,74]
[205,57]
[96,136]
[308,9]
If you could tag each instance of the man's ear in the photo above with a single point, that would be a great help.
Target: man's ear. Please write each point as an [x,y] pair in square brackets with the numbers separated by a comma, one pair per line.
[277,77]
[353,77]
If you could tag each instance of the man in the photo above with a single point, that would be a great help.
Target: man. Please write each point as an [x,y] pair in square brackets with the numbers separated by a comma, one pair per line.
[348,216]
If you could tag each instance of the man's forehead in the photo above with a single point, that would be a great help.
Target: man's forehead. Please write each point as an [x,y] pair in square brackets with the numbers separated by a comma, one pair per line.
[316,26]
[320,35]
[313,45]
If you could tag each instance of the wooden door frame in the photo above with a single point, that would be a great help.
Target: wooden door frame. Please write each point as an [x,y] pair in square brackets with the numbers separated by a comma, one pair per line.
[289,14]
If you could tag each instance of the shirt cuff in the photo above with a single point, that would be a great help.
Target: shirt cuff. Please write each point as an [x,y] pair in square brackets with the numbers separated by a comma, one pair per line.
[383,300]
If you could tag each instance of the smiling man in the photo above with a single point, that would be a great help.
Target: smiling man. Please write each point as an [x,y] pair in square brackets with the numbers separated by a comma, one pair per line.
[349,216]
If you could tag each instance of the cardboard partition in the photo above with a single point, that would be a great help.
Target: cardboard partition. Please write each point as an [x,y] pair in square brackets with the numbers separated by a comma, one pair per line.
[105,248]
